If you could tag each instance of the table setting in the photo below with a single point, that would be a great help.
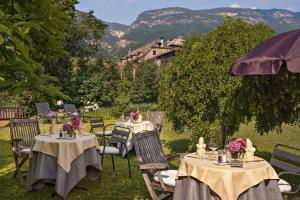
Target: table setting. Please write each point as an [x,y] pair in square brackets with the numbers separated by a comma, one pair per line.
[136,124]
[233,173]
[64,158]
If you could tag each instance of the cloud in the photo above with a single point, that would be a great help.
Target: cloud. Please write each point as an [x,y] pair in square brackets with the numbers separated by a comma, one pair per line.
[253,7]
[235,5]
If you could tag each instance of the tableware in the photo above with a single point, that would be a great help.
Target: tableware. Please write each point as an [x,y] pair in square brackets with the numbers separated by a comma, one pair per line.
[220,164]
[213,145]
[222,157]
[228,139]
[86,134]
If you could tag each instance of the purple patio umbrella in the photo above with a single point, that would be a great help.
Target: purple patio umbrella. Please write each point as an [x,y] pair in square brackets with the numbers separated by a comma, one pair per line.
[268,57]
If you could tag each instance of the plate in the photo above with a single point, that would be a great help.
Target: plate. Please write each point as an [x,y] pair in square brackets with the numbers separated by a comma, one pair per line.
[65,138]
[221,164]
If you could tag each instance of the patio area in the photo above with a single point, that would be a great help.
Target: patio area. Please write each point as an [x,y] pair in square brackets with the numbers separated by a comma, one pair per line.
[117,185]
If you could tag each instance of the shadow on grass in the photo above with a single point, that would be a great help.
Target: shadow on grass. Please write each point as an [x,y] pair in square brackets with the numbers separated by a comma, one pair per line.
[177,146]
[265,155]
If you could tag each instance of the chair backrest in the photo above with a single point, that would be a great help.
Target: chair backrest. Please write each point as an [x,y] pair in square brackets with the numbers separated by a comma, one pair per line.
[286,158]
[156,117]
[120,136]
[148,147]
[42,108]
[25,129]
[70,108]
[7,113]
[96,123]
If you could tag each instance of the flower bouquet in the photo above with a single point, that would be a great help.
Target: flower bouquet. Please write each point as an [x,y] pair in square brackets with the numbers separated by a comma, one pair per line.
[70,129]
[136,116]
[237,149]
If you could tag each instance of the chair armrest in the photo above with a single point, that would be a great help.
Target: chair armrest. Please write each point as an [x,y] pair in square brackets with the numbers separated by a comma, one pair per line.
[158,166]
[15,144]
[294,174]
[15,141]
[104,128]
[289,173]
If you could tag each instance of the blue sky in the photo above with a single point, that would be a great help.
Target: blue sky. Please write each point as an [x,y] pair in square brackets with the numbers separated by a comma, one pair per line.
[126,11]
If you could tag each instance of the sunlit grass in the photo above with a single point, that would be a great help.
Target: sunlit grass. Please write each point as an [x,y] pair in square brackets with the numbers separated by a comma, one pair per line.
[118,185]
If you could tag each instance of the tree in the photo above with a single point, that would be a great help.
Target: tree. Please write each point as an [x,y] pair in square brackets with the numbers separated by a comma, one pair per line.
[101,87]
[145,83]
[196,90]
[83,43]
[30,29]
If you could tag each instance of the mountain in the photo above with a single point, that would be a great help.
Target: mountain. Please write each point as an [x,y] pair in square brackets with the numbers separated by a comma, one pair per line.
[173,22]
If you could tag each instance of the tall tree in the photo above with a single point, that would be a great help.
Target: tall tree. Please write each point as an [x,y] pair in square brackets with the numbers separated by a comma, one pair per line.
[145,83]
[196,90]
[30,30]
[83,43]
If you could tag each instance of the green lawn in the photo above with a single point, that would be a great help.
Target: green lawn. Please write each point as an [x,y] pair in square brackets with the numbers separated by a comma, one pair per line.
[117,185]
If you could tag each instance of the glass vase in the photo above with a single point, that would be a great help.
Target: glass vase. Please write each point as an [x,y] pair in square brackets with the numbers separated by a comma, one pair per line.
[236,160]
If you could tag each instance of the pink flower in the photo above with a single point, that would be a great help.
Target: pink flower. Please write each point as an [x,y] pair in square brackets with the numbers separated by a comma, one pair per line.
[76,123]
[135,115]
[237,146]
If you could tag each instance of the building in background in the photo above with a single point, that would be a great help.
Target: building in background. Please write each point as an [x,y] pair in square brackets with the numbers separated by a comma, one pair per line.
[158,51]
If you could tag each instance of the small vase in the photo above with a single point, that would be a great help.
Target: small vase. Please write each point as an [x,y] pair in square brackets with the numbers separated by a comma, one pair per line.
[236,160]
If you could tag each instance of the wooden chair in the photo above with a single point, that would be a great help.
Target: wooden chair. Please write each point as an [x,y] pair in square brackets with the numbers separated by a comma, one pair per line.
[153,164]
[157,118]
[116,145]
[7,113]
[98,123]
[287,160]
[44,110]
[22,133]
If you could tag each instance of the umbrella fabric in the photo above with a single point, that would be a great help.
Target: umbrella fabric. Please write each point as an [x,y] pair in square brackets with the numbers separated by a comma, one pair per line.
[268,57]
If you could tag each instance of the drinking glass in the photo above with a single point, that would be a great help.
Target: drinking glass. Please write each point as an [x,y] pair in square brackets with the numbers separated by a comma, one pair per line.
[228,139]
[213,145]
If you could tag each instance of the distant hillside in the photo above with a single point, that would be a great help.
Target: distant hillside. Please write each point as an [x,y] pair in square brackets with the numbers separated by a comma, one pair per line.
[173,22]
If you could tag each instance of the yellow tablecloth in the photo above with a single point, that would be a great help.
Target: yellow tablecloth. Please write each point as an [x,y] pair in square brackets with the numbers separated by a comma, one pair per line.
[66,151]
[226,181]
[135,128]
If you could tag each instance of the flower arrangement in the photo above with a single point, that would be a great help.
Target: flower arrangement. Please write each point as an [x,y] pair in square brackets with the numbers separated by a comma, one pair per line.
[135,116]
[70,128]
[61,110]
[237,147]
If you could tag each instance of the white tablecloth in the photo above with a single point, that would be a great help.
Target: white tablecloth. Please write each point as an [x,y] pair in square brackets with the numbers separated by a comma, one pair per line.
[135,128]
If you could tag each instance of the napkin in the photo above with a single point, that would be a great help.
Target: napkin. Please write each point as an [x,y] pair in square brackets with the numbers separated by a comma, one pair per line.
[201,147]
[249,151]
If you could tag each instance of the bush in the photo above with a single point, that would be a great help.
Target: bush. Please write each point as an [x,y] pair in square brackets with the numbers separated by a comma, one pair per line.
[196,90]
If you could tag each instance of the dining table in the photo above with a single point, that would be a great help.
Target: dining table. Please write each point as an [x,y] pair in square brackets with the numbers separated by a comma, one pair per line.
[206,179]
[134,127]
[63,161]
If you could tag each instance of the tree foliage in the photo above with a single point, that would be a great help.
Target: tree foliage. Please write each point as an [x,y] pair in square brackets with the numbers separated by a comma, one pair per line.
[101,87]
[196,91]
[30,30]
[82,43]
[145,83]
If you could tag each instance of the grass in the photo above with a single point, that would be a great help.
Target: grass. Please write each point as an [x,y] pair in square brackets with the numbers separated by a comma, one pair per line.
[118,185]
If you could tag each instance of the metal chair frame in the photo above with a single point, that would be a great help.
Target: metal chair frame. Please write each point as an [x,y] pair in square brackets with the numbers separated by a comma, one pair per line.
[287,162]
[118,140]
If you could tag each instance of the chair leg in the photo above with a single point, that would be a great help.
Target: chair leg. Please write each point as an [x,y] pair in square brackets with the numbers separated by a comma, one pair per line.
[113,162]
[18,171]
[129,168]
[102,158]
